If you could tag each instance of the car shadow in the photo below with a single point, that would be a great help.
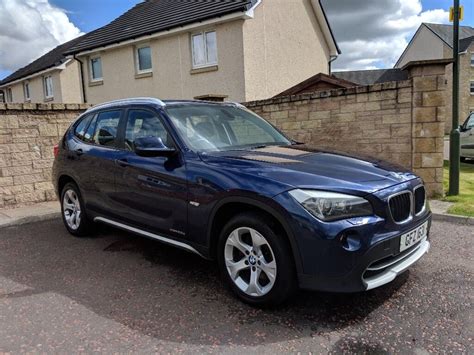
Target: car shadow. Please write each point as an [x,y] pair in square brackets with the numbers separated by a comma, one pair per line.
[167,293]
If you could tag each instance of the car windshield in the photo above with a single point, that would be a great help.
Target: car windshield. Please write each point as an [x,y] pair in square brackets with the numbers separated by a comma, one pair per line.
[208,127]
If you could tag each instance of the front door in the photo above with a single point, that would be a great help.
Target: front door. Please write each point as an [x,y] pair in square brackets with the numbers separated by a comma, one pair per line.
[467,138]
[151,192]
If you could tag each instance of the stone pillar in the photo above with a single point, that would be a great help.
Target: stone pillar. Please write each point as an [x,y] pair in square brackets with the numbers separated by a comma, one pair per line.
[428,121]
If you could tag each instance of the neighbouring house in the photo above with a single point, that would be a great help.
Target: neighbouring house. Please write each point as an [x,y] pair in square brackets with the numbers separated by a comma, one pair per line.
[318,82]
[345,79]
[237,50]
[435,41]
[53,78]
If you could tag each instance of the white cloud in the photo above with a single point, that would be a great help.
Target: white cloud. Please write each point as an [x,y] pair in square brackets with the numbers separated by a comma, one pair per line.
[29,29]
[374,33]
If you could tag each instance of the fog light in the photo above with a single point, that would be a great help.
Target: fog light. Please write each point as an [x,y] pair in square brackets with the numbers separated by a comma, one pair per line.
[350,241]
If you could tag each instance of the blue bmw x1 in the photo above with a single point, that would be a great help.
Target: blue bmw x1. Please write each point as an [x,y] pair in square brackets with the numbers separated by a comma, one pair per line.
[217,180]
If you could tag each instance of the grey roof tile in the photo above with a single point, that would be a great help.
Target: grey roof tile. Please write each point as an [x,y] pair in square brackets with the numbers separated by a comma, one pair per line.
[445,32]
[370,77]
[153,16]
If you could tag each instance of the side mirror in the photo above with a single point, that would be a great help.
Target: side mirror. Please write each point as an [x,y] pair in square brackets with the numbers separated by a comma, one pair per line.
[152,147]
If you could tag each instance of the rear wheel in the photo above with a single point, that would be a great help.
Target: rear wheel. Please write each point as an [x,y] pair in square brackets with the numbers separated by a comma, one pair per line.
[73,211]
[255,261]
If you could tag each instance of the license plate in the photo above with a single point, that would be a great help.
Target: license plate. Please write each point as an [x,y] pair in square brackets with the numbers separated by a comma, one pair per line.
[413,237]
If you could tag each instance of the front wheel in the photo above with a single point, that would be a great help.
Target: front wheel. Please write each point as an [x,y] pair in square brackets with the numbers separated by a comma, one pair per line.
[73,211]
[255,261]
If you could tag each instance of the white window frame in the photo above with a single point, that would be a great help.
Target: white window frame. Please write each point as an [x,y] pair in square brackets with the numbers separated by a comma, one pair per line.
[137,59]
[91,72]
[9,95]
[45,87]
[207,64]
[26,91]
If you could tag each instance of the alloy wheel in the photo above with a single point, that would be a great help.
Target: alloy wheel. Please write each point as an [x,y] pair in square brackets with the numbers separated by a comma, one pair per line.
[250,261]
[72,209]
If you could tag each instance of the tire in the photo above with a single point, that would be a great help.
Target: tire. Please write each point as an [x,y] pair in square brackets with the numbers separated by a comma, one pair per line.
[243,235]
[71,202]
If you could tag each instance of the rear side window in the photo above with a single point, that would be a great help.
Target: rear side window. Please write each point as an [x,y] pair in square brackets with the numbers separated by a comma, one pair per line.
[81,127]
[106,126]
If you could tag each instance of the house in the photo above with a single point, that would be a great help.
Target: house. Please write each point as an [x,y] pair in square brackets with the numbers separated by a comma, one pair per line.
[435,41]
[345,79]
[318,82]
[51,78]
[238,50]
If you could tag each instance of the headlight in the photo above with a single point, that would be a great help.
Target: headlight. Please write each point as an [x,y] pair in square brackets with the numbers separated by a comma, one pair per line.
[331,206]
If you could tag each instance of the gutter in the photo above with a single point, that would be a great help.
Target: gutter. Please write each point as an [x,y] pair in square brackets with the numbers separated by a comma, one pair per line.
[81,71]
[332,58]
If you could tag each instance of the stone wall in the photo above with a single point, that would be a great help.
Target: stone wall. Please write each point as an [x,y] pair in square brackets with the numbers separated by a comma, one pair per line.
[28,133]
[401,122]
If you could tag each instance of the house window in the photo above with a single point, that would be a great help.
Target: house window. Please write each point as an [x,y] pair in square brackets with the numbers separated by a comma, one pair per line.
[472,59]
[143,59]
[48,87]
[472,87]
[9,95]
[26,91]
[204,48]
[96,68]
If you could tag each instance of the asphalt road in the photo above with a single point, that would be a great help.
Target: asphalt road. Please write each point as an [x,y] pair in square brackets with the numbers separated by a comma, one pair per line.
[120,293]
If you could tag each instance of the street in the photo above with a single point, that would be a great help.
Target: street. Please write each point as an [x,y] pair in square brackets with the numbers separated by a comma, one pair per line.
[116,292]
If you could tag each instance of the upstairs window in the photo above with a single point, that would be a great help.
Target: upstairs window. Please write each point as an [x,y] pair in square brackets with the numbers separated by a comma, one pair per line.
[96,68]
[472,87]
[472,59]
[9,95]
[48,87]
[26,91]
[204,49]
[143,59]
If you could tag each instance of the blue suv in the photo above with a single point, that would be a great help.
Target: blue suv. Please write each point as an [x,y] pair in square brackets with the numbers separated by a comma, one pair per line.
[217,180]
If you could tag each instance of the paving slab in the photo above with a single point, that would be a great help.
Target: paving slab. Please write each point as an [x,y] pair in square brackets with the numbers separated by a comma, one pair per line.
[34,213]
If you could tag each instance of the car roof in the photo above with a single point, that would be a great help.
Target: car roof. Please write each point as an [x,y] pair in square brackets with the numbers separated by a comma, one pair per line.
[157,103]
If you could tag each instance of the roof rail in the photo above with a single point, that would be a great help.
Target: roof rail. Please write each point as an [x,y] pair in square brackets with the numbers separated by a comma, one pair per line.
[129,101]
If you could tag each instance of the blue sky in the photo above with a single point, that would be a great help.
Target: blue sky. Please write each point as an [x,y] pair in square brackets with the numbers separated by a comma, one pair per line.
[87,15]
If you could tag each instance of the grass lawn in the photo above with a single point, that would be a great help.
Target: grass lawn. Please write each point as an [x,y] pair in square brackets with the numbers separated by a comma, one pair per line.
[464,203]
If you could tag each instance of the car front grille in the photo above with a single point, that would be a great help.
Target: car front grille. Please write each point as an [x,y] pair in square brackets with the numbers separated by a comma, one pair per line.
[419,196]
[400,206]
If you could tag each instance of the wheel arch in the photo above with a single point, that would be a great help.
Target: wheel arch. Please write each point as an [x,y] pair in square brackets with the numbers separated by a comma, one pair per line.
[62,181]
[231,206]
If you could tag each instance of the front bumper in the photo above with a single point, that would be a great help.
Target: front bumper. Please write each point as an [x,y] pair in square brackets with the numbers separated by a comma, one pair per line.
[376,266]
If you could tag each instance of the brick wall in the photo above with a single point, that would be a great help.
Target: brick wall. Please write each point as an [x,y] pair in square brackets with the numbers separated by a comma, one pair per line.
[28,133]
[400,122]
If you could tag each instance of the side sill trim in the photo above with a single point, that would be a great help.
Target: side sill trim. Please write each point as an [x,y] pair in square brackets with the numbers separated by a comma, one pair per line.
[149,235]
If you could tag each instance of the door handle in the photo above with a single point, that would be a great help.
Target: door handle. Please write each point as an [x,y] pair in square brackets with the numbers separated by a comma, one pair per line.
[79,152]
[122,162]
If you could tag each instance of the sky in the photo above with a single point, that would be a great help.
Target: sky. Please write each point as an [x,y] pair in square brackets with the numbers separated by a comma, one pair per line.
[371,33]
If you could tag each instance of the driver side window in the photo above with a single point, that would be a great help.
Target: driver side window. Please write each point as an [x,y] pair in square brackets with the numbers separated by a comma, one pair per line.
[144,124]
[469,122]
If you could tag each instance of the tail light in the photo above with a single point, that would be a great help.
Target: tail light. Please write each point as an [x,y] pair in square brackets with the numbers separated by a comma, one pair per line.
[56,150]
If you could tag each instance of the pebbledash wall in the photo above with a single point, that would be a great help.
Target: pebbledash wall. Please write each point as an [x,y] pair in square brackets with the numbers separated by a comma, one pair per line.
[401,122]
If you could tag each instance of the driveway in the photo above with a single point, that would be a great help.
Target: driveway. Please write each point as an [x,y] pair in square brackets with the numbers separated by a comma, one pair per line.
[120,293]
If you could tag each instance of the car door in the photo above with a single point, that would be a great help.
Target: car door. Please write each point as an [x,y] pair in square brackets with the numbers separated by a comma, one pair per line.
[151,192]
[95,151]
[467,137]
